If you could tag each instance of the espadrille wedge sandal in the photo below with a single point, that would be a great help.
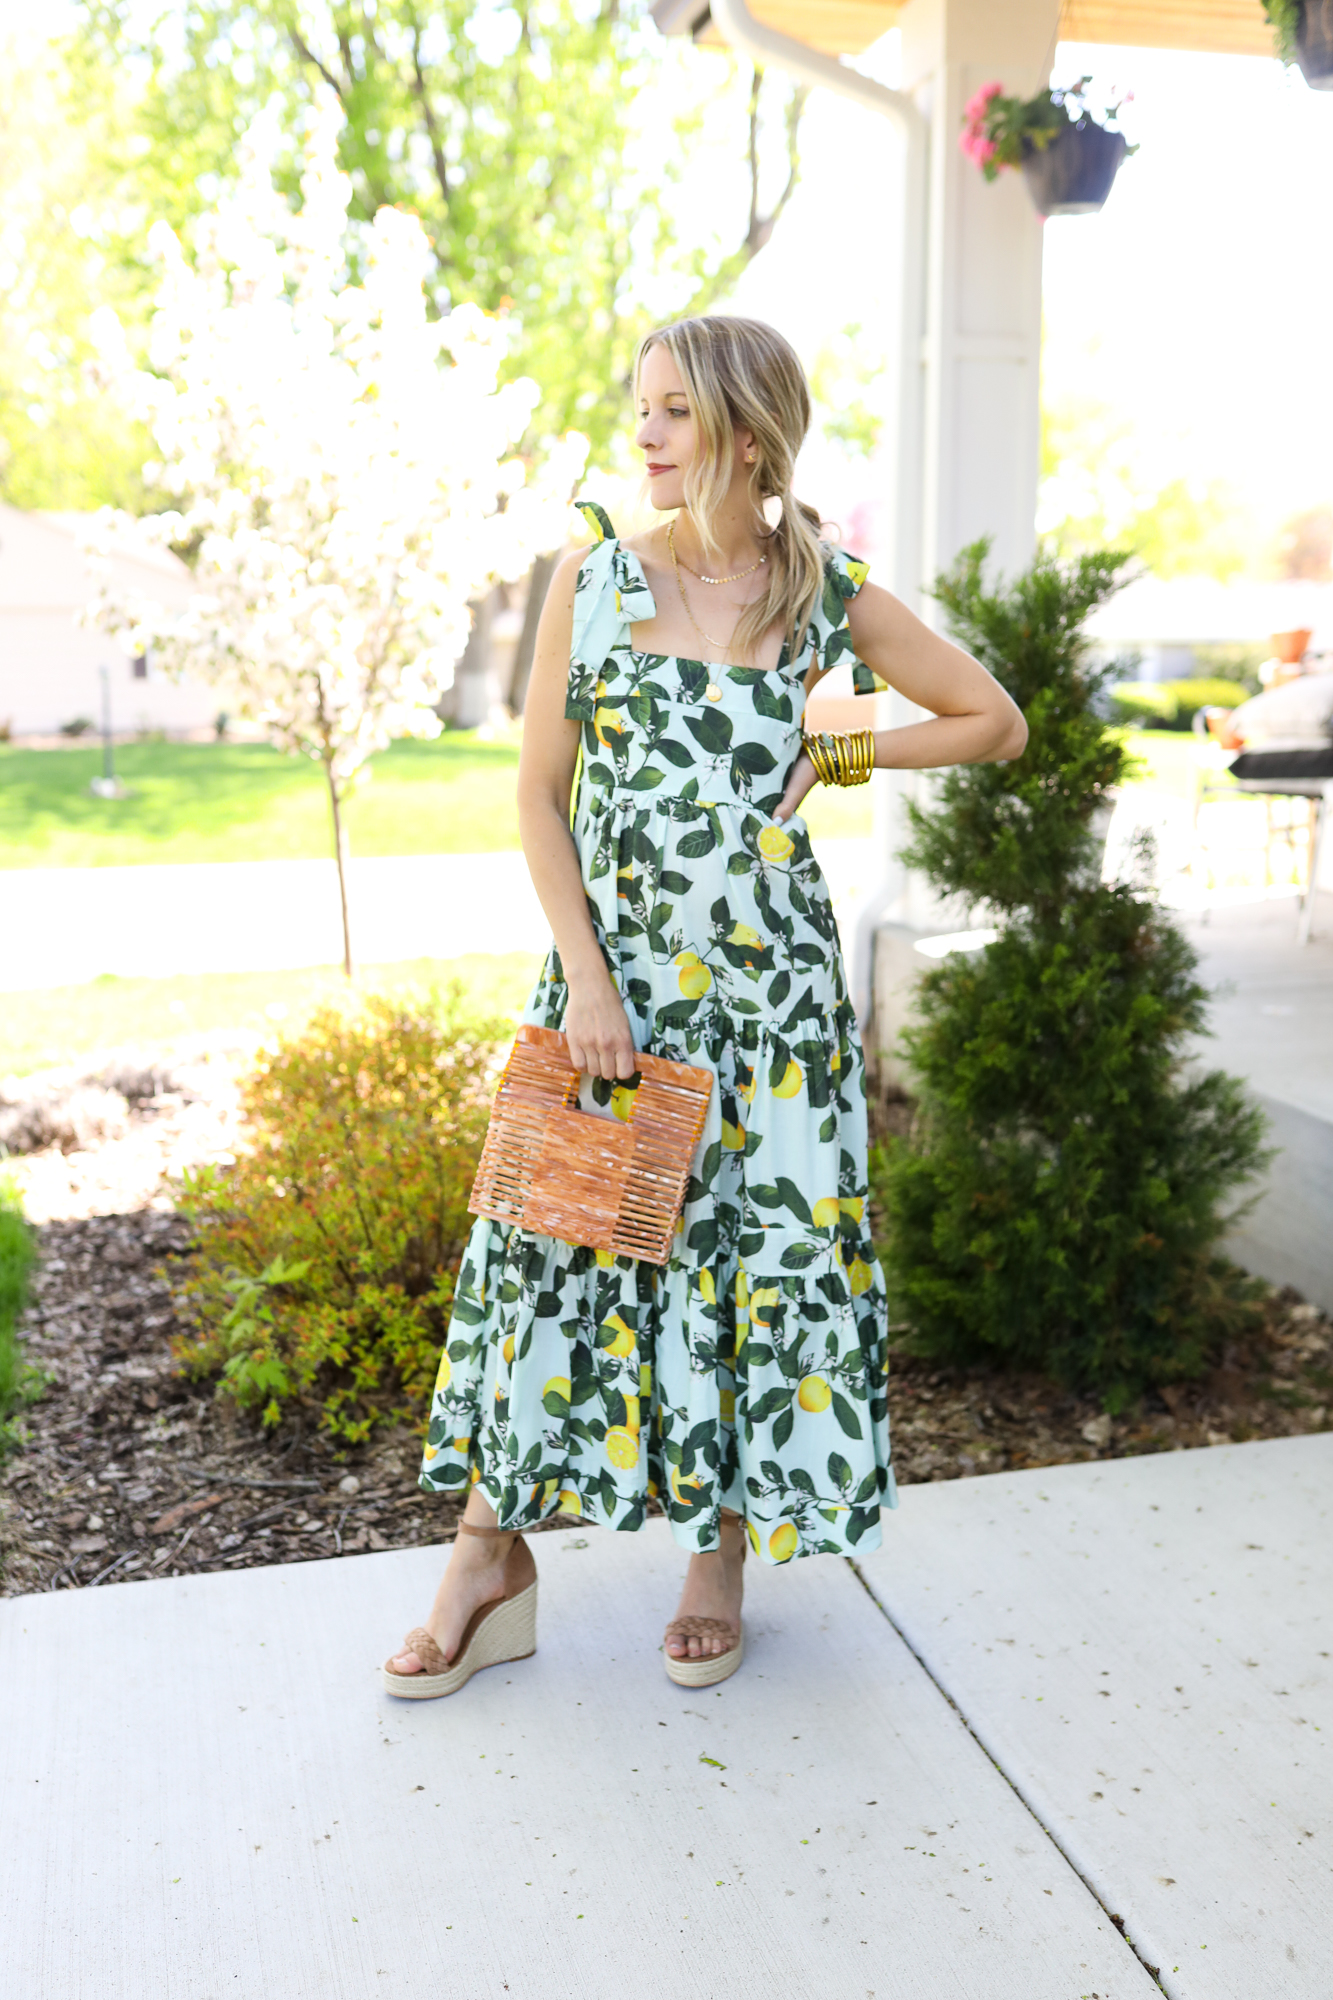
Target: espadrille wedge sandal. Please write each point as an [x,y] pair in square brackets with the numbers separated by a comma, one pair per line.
[504,1629]
[715,1667]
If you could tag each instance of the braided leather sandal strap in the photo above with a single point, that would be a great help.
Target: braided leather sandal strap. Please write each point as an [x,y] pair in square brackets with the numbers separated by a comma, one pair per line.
[703,1628]
[420,1642]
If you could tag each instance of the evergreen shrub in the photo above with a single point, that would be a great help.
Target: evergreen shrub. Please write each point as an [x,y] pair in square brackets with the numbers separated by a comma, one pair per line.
[1058,1204]
[324,1267]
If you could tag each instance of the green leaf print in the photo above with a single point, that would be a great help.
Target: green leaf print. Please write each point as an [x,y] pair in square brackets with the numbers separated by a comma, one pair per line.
[675,753]
[839,1471]
[847,1416]
[556,1404]
[644,781]
[799,1256]
[783,1427]
[695,845]
[771,703]
[795,1200]
[754,758]
[711,731]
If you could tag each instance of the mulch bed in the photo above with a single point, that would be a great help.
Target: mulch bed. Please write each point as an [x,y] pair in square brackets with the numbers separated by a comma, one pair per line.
[130,1471]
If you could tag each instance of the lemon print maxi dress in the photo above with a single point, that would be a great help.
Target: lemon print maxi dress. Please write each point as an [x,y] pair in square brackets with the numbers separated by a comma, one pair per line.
[748,1372]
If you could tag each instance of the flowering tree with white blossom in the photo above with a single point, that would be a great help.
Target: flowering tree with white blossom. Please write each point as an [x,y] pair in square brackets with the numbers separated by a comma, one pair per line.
[342,467]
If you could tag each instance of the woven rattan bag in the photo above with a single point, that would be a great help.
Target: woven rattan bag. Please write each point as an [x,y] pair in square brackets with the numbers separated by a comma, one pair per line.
[602,1182]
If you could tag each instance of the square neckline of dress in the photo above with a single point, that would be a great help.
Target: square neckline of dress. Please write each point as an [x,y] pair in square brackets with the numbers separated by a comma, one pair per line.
[684,659]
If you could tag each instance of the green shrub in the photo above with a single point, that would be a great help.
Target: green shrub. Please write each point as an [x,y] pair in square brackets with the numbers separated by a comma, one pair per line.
[326,1258]
[1060,1200]
[1171,704]
[19,1383]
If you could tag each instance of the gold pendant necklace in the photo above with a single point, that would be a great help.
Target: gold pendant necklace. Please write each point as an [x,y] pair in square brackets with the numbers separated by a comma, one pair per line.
[712,692]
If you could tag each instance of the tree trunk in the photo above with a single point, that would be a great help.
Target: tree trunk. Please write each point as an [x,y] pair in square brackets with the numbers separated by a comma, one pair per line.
[468,702]
[341,855]
[539,582]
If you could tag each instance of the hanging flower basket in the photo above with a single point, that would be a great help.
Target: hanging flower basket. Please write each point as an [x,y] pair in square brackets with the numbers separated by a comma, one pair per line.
[1073,175]
[1303,31]
[1069,155]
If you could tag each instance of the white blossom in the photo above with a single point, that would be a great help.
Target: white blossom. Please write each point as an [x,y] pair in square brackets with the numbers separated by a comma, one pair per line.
[343,466]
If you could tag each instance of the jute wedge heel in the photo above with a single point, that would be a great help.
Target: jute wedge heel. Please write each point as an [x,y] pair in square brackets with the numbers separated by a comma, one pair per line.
[715,1667]
[505,1629]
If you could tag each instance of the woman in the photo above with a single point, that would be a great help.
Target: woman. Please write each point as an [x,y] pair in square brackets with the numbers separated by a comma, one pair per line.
[744,1383]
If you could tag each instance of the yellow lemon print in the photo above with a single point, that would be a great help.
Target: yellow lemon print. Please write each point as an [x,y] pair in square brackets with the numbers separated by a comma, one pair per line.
[782,1543]
[733,1137]
[854,1206]
[746,1090]
[631,1413]
[792,1080]
[726,1405]
[775,845]
[622,1103]
[679,1486]
[623,1343]
[753,1533]
[606,1258]
[622,1447]
[859,1276]
[570,1502]
[604,719]
[814,1394]
[693,978]
[461,1446]
[652,1489]
[857,571]
[825,1212]
[742,1289]
[742,934]
[560,1384]
[508,1351]
[476,1474]
[645,1379]
[625,875]
[707,1288]
[431,1453]
[500,1392]
[761,1296]
[593,525]
[445,1373]
[835,1061]
[617,597]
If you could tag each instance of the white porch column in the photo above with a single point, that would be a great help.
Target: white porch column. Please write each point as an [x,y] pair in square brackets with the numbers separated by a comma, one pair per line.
[981,342]
[973,410]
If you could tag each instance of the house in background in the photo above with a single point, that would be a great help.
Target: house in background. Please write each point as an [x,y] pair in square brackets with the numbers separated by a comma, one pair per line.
[49,662]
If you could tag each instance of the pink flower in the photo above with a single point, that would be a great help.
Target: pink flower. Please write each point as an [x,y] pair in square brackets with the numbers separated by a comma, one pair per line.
[975,108]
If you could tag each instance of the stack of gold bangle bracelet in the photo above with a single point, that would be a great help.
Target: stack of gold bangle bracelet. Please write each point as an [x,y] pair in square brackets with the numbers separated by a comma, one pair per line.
[842,760]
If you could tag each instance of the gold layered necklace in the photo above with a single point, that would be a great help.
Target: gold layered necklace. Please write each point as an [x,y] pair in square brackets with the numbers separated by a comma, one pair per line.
[712,691]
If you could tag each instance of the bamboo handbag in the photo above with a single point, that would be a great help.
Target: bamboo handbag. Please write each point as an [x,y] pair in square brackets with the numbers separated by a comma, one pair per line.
[559,1171]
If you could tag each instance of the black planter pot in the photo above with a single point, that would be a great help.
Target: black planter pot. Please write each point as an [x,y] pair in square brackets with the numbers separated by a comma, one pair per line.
[1073,175]
[1314,44]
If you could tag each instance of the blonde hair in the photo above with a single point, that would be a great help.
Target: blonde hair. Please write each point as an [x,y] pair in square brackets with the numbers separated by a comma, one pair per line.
[740,373]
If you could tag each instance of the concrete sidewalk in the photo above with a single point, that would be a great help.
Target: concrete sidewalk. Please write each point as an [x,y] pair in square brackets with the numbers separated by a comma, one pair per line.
[1272,1022]
[208,1794]
[60,926]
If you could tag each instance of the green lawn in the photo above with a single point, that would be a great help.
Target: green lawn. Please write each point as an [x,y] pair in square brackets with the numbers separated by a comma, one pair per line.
[245,802]
[62,1025]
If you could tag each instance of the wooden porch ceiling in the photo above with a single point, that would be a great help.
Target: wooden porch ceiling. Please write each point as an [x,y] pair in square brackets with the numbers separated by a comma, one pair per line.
[846,27]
